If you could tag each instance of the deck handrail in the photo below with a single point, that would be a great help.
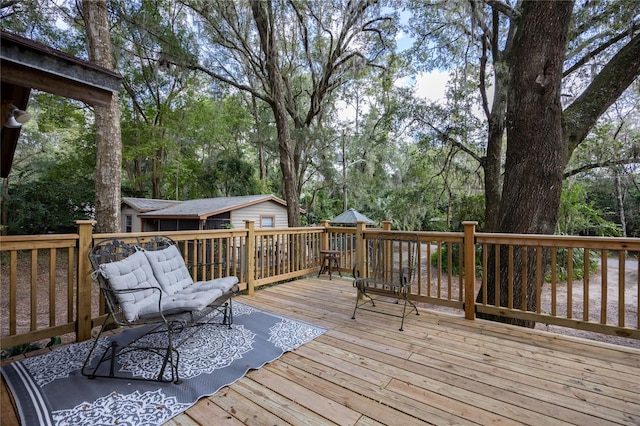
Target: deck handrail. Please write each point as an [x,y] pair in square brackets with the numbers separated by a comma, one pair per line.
[53,270]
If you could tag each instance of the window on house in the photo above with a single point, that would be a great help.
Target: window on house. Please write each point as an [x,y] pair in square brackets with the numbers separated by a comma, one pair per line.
[267,222]
[128,223]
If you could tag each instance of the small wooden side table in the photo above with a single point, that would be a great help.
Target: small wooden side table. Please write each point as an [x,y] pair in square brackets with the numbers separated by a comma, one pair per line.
[330,262]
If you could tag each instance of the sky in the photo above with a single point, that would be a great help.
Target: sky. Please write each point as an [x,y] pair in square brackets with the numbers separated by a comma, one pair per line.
[431,85]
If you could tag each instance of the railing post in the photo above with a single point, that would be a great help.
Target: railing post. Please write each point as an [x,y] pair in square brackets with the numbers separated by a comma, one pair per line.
[250,248]
[469,244]
[387,250]
[324,244]
[361,248]
[83,302]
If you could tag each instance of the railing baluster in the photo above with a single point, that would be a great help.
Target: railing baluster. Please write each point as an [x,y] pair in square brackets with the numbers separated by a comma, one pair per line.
[52,286]
[34,290]
[539,278]
[570,282]
[604,286]
[621,287]
[71,282]
[485,261]
[13,292]
[585,286]
[524,252]
[554,281]
[510,282]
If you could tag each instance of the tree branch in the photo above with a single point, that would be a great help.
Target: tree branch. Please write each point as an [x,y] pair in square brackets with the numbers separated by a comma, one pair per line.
[223,79]
[505,9]
[446,138]
[601,48]
[600,164]
[579,117]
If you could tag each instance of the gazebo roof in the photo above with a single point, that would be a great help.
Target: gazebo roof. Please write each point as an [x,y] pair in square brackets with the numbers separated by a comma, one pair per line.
[351,217]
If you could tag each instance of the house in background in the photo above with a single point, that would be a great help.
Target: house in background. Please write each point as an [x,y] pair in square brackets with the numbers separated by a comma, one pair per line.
[131,208]
[147,215]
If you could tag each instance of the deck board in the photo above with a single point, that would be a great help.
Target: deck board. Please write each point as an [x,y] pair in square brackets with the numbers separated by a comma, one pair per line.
[442,369]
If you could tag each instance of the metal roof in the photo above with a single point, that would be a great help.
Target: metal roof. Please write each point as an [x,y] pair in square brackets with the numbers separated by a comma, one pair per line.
[351,217]
[146,204]
[206,207]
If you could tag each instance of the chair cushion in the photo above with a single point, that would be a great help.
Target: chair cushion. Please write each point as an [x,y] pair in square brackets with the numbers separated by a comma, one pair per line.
[169,268]
[132,273]
[224,284]
[178,302]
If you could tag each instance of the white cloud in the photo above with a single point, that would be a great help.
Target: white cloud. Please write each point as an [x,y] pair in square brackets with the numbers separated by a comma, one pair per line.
[427,85]
[432,85]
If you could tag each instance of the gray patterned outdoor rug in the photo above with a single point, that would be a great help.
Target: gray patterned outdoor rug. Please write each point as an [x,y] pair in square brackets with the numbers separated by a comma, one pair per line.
[50,390]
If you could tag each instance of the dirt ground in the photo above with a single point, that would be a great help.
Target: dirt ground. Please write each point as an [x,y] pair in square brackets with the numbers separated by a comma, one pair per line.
[594,302]
[595,293]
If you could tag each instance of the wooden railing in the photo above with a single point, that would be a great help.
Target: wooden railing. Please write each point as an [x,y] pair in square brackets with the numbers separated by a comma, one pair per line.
[602,296]
[42,297]
[46,287]
[455,267]
[38,278]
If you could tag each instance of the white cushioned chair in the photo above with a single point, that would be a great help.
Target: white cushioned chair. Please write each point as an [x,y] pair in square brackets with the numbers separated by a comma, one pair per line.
[152,285]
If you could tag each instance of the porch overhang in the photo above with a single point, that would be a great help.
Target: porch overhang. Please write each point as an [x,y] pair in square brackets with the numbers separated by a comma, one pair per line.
[26,64]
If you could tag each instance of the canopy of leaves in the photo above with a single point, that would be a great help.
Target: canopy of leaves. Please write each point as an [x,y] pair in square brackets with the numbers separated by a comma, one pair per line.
[196,119]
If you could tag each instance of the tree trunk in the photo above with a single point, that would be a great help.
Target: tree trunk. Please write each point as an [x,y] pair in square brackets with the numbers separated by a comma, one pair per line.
[107,122]
[4,195]
[257,140]
[493,161]
[536,154]
[620,201]
[265,25]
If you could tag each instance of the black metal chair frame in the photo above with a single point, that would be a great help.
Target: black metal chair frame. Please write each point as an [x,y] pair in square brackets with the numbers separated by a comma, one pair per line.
[386,276]
[112,250]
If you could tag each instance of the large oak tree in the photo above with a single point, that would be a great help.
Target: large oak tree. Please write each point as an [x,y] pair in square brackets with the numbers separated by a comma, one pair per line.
[292,55]
[528,51]
[541,136]
[107,122]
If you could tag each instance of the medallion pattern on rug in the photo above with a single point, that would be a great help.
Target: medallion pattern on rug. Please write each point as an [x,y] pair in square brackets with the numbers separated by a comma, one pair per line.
[137,408]
[50,390]
[60,363]
[211,348]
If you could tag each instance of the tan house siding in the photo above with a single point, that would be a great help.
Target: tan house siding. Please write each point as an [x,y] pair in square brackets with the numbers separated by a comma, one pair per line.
[257,211]
[136,223]
[142,214]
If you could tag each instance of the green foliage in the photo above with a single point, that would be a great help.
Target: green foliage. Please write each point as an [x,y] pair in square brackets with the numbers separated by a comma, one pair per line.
[49,206]
[188,135]
[469,207]
[319,206]
[27,347]
[578,264]
[51,183]
[229,176]
[579,217]
[196,150]
[602,193]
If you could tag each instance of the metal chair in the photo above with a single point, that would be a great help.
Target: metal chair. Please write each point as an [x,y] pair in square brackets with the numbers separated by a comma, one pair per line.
[134,297]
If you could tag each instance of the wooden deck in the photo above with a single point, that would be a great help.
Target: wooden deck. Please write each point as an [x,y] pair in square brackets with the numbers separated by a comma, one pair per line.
[441,370]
